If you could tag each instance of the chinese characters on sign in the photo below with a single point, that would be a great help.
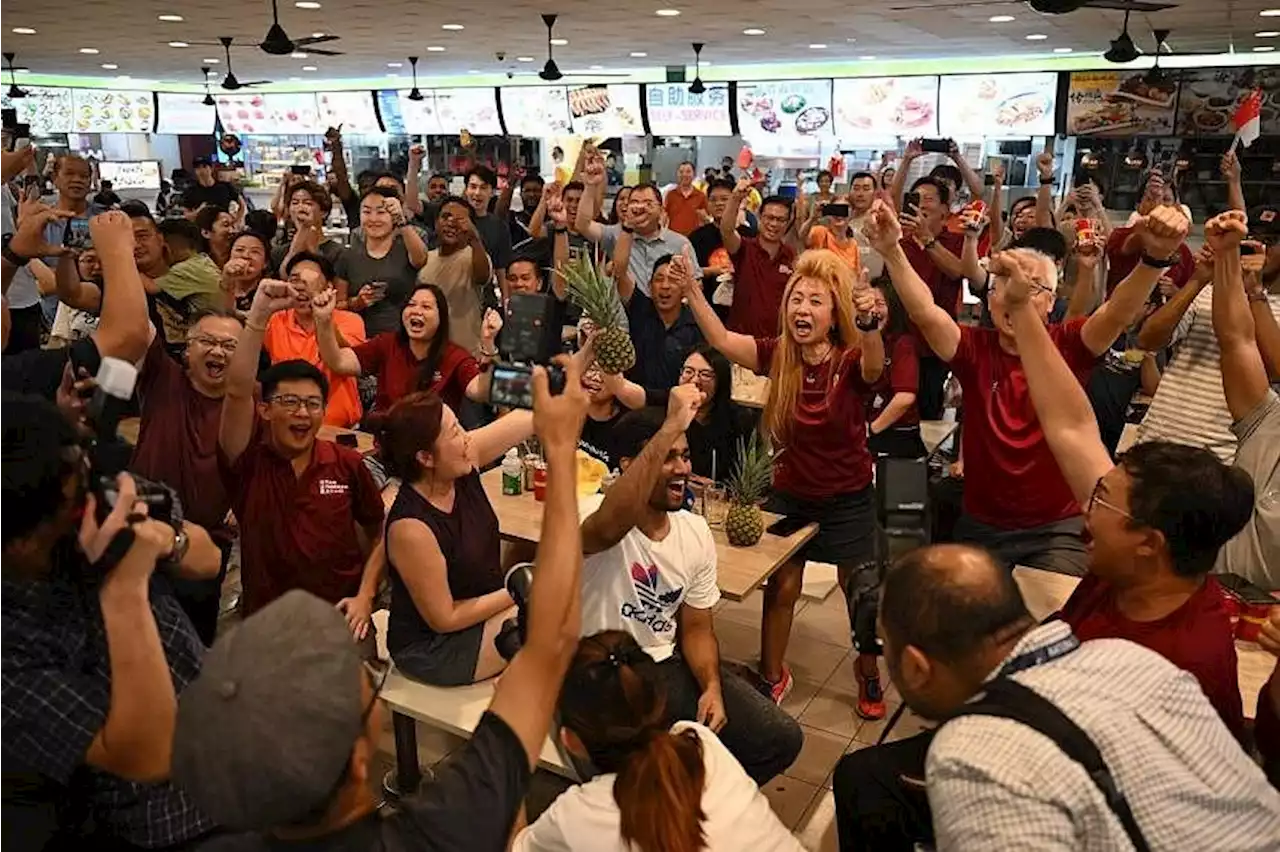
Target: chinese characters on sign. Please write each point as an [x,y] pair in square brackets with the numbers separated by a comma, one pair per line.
[675,111]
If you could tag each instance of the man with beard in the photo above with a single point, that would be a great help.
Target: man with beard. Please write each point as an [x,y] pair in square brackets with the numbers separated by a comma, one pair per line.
[651,571]
[462,269]
[311,515]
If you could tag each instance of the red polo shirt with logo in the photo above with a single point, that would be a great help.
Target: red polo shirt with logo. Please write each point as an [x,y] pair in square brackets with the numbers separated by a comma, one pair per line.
[299,532]
[759,282]
[389,358]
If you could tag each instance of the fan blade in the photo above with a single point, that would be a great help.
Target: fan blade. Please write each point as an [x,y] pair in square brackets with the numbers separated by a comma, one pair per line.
[302,42]
[591,74]
[1129,5]
[318,52]
[256,83]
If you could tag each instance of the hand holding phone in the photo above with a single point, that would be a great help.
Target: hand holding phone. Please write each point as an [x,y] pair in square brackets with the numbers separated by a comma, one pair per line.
[836,210]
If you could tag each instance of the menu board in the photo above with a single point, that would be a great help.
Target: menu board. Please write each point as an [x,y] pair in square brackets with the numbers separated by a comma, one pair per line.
[183,113]
[103,111]
[676,111]
[785,108]
[606,111]
[538,111]
[1209,98]
[886,106]
[353,110]
[48,111]
[142,174]
[1120,103]
[270,114]
[475,110]
[1000,105]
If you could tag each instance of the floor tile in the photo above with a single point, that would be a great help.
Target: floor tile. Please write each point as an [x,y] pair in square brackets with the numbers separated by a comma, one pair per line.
[854,745]
[746,611]
[802,693]
[812,660]
[817,828]
[790,798]
[832,712]
[869,731]
[818,755]
[824,622]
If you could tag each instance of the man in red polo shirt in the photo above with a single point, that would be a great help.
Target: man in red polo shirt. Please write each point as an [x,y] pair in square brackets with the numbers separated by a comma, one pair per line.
[934,253]
[310,513]
[1125,245]
[762,264]
[685,202]
[1016,502]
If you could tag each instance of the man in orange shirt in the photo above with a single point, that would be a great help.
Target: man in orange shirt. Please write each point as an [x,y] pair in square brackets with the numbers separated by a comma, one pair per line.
[291,335]
[686,206]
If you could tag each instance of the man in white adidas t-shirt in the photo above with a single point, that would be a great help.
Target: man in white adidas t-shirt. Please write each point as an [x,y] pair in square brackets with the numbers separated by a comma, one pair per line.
[651,570]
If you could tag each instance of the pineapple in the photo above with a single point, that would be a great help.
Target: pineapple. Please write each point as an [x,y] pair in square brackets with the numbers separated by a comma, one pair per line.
[751,477]
[596,294]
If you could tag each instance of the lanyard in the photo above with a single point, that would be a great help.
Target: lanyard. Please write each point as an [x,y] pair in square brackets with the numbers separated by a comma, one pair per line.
[1040,656]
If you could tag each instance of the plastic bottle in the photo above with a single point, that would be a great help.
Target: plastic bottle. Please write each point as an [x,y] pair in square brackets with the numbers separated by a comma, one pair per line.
[512,473]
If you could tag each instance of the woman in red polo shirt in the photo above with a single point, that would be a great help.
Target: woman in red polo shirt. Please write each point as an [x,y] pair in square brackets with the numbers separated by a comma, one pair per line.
[447,596]
[418,356]
[820,368]
[893,421]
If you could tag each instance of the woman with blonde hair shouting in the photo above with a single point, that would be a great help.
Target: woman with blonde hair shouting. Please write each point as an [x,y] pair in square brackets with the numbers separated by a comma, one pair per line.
[826,356]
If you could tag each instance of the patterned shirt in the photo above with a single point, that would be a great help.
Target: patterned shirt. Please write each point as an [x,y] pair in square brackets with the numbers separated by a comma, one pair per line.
[1189,406]
[57,692]
[997,784]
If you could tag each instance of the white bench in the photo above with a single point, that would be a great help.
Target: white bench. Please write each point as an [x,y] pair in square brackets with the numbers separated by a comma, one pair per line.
[456,709]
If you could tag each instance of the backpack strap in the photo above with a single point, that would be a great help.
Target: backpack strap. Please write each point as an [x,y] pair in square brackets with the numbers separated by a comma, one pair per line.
[1008,699]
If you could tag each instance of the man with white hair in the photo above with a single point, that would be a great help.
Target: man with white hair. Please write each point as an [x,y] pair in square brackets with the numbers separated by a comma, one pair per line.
[1019,506]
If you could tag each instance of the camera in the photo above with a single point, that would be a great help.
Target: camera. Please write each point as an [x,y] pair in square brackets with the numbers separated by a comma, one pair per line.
[512,634]
[529,336]
[935,146]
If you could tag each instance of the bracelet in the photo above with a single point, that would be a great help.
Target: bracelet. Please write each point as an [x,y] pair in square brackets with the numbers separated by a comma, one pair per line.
[483,354]
[1159,263]
[1046,180]
[12,256]
[1260,296]
[627,230]
[933,241]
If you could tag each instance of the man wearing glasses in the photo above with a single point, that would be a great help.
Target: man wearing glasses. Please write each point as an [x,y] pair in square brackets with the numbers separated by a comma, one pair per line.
[310,514]
[762,264]
[1153,523]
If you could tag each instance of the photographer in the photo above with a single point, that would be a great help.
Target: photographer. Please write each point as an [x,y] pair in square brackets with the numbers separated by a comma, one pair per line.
[94,649]
[300,693]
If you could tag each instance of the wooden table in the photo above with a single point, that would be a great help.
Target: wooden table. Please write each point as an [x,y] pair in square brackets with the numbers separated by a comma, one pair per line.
[364,441]
[1045,592]
[739,570]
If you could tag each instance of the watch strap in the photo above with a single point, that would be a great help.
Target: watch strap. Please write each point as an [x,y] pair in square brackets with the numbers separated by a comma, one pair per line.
[10,255]
[1159,263]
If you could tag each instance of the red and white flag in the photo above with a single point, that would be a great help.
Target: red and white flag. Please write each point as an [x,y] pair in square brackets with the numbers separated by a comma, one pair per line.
[1248,118]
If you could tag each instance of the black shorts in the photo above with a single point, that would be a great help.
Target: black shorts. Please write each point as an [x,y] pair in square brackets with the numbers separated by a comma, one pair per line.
[442,659]
[846,525]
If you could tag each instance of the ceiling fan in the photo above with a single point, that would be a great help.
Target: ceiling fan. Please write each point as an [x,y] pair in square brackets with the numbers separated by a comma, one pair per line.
[15,91]
[230,83]
[551,71]
[277,43]
[1050,7]
[1123,49]
[697,87]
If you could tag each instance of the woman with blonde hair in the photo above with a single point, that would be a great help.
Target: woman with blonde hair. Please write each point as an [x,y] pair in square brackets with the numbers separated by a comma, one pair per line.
[827,355]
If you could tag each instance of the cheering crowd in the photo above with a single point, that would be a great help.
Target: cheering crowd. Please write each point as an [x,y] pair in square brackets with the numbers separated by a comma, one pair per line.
[130,722]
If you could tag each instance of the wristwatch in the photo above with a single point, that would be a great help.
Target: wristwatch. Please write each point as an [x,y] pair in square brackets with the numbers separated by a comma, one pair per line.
[1159,263]
[627,230]
[870,323]
[933,241]
[181,544]
[10,255]
[1046,180]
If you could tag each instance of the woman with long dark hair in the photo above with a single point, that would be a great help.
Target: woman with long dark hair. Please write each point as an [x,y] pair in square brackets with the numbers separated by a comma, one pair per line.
[821,365]
[664,788]
[417,356]
[893,421]
[447,597]
[619,205]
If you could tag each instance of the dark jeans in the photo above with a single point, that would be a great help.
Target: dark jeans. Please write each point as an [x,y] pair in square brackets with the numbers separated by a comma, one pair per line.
[875,810]
[202,599]
[933,380]
[1054,547]
[763,738]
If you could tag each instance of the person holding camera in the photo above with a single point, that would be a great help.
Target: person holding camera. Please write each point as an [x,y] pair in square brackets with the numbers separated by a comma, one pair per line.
[651,572]
[310,512]
[95,647]
[297,690]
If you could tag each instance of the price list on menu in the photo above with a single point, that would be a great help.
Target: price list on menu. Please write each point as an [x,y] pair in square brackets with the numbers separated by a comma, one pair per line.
[676,111]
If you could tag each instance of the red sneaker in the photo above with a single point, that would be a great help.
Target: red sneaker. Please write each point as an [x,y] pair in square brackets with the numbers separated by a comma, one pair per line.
[779,691]
[870,694]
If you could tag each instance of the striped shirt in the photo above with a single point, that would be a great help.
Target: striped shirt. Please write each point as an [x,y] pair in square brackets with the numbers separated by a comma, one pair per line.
[1189,406]
[1255,551]
[997,784]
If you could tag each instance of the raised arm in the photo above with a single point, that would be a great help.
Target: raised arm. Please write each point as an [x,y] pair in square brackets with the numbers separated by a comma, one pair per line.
[1084,291]
[1244,378]
[559,257]
[414,245]
[525,696]
[481,266]
[626,499]
[914,151]
[412,199]
[869,340]
[338,358]
[1164,232]
[738,348]
[503,205]
[1159,329]
[970,263]
[489,443]
[939,329]
[478,388]
[124,329]
[729,221]
[622,266]
[593,178]
[238,407]
[551,194]
[996,211]
[1230,168]
[1044,195]
[971,179]
[1064,411]
[342,189]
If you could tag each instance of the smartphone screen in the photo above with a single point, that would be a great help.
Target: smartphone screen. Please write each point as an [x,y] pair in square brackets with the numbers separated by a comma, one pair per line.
[511,386]
[76,235]
[305,171]
[1245,590]
[838,210]
[911,202]
[935,146]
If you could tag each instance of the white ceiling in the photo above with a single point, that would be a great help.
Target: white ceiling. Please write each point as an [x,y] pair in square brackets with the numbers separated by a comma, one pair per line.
[600,32]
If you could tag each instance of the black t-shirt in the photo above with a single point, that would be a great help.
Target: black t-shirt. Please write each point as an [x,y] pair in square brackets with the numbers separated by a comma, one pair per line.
[597,438]
[39,371]
[518,225]
[471,805]
[220,194]
[713,446]
[705,239]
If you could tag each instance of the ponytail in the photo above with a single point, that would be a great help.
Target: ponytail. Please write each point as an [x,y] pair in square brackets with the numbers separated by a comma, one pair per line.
[659,794]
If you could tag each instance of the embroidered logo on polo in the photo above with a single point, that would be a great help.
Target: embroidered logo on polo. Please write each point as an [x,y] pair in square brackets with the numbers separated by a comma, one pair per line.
[331,487]
[656,604]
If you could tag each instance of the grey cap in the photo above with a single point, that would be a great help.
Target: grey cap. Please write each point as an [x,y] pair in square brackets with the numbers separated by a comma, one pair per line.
[265,733]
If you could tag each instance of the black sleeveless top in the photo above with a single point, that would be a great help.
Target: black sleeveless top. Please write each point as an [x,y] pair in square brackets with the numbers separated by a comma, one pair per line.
[468,538]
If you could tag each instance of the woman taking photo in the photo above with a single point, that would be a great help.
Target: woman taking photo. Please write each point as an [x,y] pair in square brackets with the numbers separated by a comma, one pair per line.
[893,421]
[306,208]
[662,789]
[828,228]
[443,548]
[417,356]
[377,272]
[820,367]
[245,268]
[218,228]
